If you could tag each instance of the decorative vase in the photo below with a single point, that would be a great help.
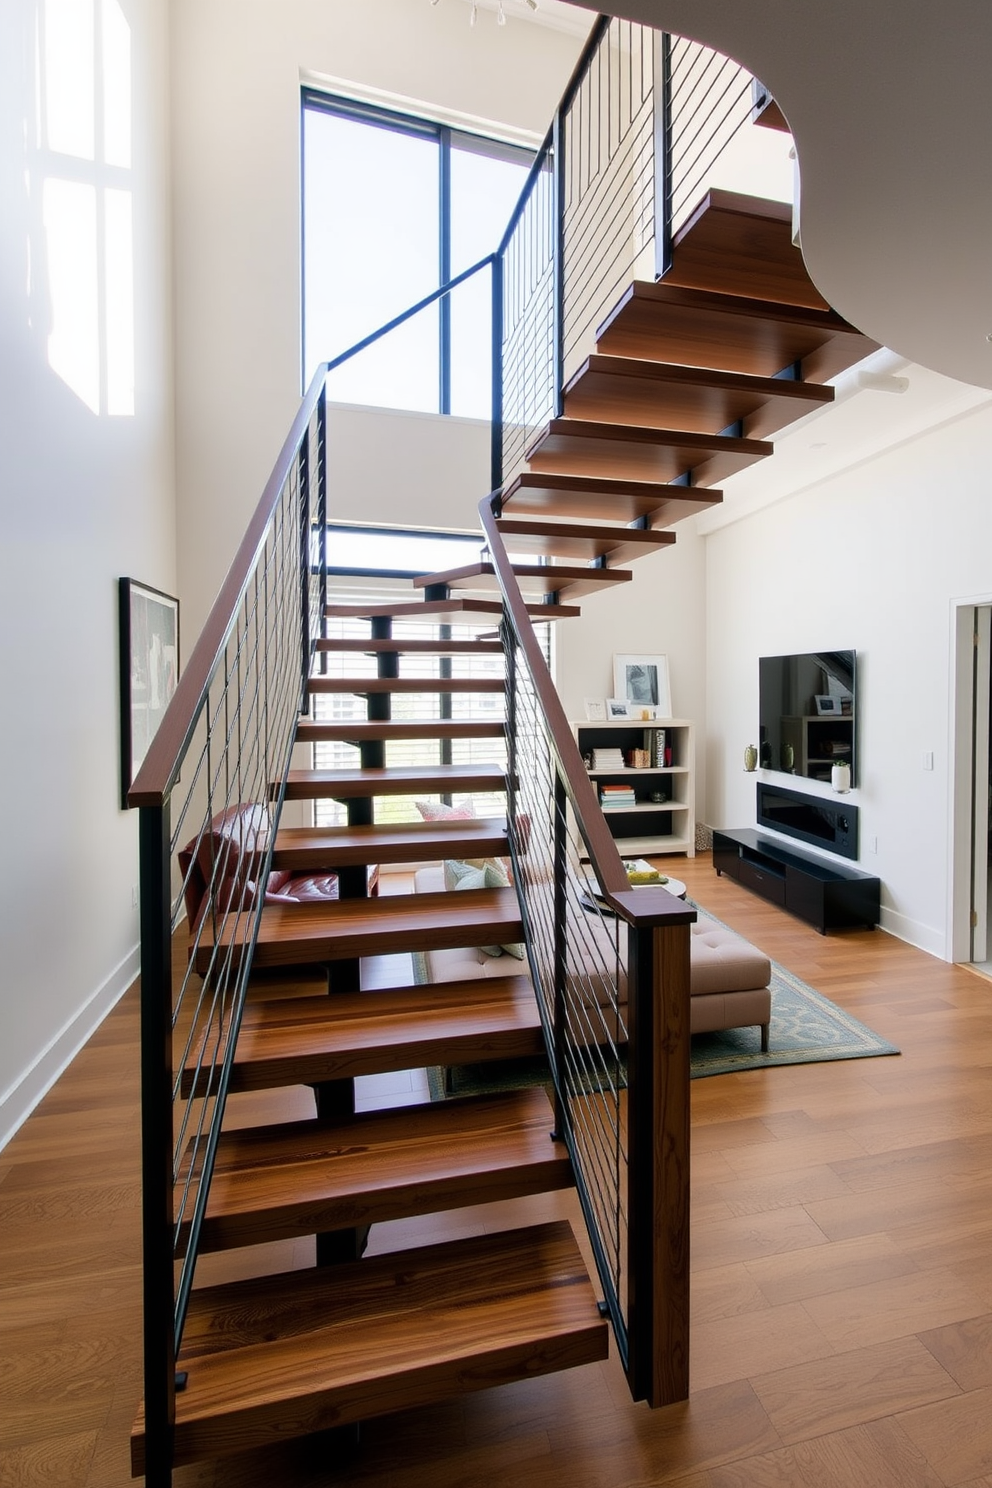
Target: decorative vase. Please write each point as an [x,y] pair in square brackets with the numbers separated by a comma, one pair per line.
[788,757]
[840,778]
[750,758]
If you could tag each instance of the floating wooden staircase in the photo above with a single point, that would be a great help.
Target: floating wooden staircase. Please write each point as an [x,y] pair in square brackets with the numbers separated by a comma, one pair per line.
[689,377]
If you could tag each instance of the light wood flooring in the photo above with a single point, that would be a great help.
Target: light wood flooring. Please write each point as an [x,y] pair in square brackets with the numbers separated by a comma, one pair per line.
[842,1271]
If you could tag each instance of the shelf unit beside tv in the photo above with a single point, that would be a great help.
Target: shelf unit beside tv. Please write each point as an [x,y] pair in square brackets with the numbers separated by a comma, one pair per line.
[648,827]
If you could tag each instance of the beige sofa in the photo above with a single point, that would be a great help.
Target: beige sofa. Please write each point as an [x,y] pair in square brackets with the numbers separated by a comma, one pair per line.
[728,977]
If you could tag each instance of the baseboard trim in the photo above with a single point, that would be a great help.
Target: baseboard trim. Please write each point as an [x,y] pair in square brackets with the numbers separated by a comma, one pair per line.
[924,937]
[20,1099]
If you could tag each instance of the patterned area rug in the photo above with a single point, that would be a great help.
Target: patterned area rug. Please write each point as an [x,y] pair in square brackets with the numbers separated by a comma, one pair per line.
[806,1028]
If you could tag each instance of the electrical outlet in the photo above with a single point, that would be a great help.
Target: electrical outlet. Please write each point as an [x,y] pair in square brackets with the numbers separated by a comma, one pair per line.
[928,759]
[873,844]
[134,896]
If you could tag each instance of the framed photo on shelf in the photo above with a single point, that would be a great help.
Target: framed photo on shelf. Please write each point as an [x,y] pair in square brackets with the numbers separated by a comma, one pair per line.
[643,681]
[618,708]
[829,705]
[595,710]
[149,669]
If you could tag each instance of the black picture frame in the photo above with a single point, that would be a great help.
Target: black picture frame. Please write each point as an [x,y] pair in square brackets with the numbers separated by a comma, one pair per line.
[149,669]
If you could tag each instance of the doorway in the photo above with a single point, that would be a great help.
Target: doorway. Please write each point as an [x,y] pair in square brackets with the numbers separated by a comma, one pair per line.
[972,907]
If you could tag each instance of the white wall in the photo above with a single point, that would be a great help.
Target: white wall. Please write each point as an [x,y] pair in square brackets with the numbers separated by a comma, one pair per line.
[873,559]
[662,609]
[86,496]
[236,67]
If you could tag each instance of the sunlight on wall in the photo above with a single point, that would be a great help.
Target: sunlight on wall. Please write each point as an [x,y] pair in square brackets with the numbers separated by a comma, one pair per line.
[84,151]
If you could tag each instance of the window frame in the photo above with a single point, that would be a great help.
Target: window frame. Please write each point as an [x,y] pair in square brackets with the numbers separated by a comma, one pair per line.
[447,137]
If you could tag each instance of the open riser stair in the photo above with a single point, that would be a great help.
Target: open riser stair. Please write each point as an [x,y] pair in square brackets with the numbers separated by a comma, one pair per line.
[689,377]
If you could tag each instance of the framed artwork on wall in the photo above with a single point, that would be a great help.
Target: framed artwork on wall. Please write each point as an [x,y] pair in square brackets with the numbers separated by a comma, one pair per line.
[149,669]
[643,681]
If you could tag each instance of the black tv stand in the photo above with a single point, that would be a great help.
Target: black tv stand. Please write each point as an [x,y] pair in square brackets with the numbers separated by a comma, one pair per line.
[829,896]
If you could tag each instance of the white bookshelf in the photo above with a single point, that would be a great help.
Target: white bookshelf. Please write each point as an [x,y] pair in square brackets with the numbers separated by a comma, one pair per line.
[648,828]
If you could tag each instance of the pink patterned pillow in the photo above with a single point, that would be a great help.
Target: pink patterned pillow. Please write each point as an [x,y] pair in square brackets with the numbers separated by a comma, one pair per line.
[438,811]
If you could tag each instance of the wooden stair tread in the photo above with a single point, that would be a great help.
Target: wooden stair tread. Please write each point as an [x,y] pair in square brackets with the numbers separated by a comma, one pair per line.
[315,932]
[396,780]
[582,540]
[406,684]
[701,399]
[285,1356]
[312,731]
[736,333]
[560,579]
[588,447]
[443,610]
[605,497]
[308,1040]
[738,244]
[300,848]
[308,1177]
[411,647]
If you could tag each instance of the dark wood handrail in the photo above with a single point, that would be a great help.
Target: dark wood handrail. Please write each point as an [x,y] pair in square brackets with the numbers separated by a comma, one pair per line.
[639,907]
[160,767]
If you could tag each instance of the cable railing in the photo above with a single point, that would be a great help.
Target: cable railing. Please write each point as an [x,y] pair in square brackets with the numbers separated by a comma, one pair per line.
[634,142]
[610,968]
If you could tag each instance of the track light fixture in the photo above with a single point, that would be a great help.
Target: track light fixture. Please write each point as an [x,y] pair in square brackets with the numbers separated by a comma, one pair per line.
[500,11]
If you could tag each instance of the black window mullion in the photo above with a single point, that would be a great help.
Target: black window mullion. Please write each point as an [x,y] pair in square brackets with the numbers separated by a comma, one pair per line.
[444,267]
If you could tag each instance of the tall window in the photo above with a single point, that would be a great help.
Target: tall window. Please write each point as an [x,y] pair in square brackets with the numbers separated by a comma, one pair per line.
[393,207]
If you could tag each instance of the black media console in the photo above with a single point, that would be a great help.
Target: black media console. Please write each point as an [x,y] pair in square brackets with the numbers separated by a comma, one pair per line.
[828,896]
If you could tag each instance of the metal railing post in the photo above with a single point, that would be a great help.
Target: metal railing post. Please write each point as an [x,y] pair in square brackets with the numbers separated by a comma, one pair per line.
[303,468]
[658,1171]
[558,166]
[662,63]
[322,512]
[496,433]
[157,1191]
[560,953]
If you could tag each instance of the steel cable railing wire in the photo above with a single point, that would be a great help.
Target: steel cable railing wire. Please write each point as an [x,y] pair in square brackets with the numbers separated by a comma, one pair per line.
[587,1062]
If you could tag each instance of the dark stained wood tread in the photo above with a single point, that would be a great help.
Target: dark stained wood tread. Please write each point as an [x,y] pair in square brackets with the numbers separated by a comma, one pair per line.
[582,540]
[670,323]
[704,400]
[300,848]
[605,498]
[411,647]
[308,1040]
[309,731]
[283,1356]
[585,446]
[308,1177]
[406,684]
[563,580]
[400,780]
[742,245]
[443,610]
[313,933]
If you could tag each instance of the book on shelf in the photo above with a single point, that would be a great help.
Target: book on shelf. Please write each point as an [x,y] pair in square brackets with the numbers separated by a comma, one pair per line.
[612,796]
[607,759]
[654,743]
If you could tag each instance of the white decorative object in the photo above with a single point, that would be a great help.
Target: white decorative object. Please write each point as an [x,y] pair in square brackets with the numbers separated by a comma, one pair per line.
[840,778]
[596,710]
[643,680]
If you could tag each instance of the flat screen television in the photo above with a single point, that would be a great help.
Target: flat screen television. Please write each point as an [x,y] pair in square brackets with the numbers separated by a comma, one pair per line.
[807,713]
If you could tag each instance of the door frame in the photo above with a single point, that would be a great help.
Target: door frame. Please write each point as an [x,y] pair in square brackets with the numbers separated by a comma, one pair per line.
[963,805]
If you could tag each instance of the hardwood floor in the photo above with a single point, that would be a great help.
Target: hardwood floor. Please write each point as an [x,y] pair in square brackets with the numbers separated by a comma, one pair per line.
[842,1280]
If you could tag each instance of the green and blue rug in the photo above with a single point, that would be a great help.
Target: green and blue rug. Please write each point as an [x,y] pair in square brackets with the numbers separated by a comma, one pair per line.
[806,1028]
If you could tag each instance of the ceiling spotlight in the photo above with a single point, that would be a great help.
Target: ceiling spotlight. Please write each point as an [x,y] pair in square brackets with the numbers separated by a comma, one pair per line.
[474,16]
[500,14]
[532,4]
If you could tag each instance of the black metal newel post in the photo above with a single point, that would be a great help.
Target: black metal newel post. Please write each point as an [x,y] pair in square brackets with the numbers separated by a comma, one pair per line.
[157,1191]
[322,513]
[303,467]
[558,163]
[560,802]
[663,164]
[496,433]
